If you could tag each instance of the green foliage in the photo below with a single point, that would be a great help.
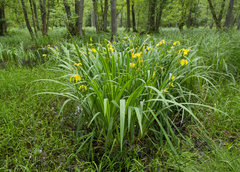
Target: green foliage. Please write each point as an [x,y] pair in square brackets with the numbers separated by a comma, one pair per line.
[97,130]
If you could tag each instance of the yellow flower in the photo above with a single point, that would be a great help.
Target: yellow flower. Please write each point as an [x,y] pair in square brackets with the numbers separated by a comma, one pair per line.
[172,47]
[169,52]
[148,35]
[91,39]
[75,77]
[154,73]
[82,87]
[162,42]
[179,51]
[126,37]
[166,90]
[49,46]
[44,55]
[173,77]
[176,42]
[171,84]
[78,64]
[157,45]
[148,48]
[110,49]
[145,52]
[114,42]
[132,64]
[183,62]
[93,50]
[137,55]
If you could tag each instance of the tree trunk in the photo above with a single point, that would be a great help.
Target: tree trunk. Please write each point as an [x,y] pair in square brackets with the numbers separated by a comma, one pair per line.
[48,16]
[79,7]
[70,25]
[216,19]
[195,16]
[159,16]
[105,16]
[206,19]
[95,15]
[189,22]
[36,14]
[33,19]
[43,16]
[26,19]
[229,14]
[3,26]
[113,20]
[151,12]
[128,16]
[133,18]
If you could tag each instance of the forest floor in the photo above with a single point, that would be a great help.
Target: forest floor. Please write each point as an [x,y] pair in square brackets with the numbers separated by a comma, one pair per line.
[34,136]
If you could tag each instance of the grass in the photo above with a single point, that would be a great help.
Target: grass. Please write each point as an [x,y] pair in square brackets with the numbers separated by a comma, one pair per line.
[36,136]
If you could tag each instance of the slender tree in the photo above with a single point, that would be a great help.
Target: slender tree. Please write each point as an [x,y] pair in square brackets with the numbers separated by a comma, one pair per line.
[229,14]
[151,13]
[217,19]
[95,15]
[113,19]
[3,26]
[79,7]
[43,10]
[105,16]
[26,19]
[128,16]
[133,17]
[33,19]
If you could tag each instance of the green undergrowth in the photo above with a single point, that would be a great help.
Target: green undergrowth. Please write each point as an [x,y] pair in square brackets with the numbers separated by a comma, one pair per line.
[38,133]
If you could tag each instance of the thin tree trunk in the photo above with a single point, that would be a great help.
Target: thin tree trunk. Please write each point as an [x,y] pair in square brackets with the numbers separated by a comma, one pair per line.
[195,16]
[26,19]
[105,16]
[229,14]
[36,14]
[216,19]
[33,19]
[79,7]
[152,5]
[189,22]
[70,25]
[113,20]
[95,15]
[48,16]
[206,19]
[77,12]
[3,26]
[44,16]
[128,16]
[81,17]
[133,18]
[159,16]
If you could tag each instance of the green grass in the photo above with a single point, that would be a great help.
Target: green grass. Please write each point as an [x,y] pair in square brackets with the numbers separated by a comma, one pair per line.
[36,136]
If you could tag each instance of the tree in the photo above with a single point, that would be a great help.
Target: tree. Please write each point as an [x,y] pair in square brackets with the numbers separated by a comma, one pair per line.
[128,16]
[113,20]
[152,5]
[26,19]
[159,11]
[133,18]
[43,16]
[229,14]
[105,16]
[3,26]
[216,19]
[95,18]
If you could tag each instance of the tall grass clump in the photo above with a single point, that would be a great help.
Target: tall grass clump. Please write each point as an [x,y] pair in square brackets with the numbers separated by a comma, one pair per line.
[131,92]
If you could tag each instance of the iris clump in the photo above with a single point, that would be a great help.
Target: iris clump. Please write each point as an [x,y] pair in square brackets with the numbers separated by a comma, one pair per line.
[131,90]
